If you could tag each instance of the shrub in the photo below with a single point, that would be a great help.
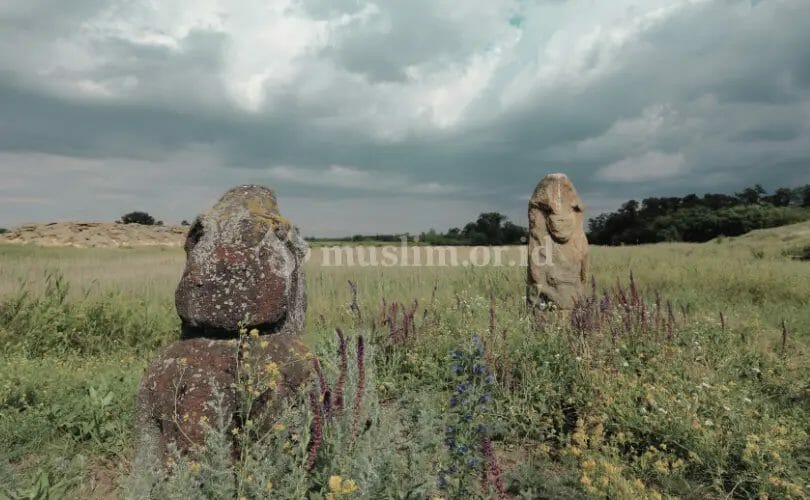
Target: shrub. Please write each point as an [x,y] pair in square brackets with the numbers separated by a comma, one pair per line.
[138,218]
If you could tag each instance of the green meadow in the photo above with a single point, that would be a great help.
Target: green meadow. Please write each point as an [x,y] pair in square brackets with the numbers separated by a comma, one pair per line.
[704,394]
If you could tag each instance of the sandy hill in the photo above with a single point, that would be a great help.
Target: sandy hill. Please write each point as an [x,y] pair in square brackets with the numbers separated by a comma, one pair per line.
[95,234]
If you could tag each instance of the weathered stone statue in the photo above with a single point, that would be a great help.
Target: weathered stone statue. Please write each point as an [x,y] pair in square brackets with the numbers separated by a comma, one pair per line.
[558,248]
[243,260]
[193,380]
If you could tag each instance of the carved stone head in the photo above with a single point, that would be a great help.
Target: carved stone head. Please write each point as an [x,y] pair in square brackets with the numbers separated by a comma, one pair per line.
[556,199]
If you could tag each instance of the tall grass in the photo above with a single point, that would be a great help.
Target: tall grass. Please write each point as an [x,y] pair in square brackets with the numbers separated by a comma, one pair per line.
[632,400]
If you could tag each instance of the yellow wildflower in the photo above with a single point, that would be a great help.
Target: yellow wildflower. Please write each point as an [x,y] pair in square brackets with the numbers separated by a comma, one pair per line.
[279,426]
[268,486]
[194,467]
[340,486]
[263,344]
[254,333]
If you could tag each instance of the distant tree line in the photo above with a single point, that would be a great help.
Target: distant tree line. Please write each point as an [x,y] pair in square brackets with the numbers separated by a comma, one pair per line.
[490,228]
[694,218]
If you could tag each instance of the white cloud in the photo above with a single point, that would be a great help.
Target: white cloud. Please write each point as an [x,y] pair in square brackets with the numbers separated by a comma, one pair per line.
[652,165]
[353,178]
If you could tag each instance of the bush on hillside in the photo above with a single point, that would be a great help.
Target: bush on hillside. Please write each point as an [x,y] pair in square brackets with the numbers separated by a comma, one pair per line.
[138,218]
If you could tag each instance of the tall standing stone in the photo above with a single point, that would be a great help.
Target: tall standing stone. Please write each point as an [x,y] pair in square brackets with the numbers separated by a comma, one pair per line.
[558,247]
[244,260]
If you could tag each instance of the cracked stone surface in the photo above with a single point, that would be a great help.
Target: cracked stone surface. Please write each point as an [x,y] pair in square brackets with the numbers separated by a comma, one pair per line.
[244,260]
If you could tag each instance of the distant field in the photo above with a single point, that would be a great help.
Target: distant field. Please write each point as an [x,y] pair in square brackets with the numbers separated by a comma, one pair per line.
[748,277]
[103,318]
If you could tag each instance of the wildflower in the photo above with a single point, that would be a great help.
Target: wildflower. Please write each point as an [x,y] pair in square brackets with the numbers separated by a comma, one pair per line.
[235,431]
[263,344]
[279,427]
[268,486]
[254,333]
[317,431]
[340,486]
[194,467]
[361,385]
[341,382]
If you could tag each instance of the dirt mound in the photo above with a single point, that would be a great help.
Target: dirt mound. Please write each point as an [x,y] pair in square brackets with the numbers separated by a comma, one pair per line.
[95,234]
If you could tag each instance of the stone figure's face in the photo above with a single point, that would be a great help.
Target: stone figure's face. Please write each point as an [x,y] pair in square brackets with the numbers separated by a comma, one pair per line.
[561,225]
[561,208]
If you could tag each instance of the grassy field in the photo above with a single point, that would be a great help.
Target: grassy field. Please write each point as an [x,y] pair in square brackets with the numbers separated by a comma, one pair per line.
[688,405]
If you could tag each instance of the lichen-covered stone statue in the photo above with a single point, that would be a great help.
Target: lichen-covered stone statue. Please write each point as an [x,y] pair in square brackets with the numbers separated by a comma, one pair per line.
[193,383]
[558,247]
[243,260]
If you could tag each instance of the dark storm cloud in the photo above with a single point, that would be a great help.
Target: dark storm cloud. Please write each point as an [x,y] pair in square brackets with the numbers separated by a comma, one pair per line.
[346,103]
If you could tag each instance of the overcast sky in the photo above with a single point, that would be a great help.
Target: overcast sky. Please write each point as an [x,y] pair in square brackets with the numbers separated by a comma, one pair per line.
[395,115]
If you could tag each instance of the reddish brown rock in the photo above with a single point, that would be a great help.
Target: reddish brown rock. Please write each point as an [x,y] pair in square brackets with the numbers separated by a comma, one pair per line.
[243,261]
[558,247]
[174,403]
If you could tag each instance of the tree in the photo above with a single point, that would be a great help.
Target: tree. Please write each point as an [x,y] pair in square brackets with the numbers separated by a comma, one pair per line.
[781,197]
[805,196]
[3,230]
[138,218]
[751,195]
